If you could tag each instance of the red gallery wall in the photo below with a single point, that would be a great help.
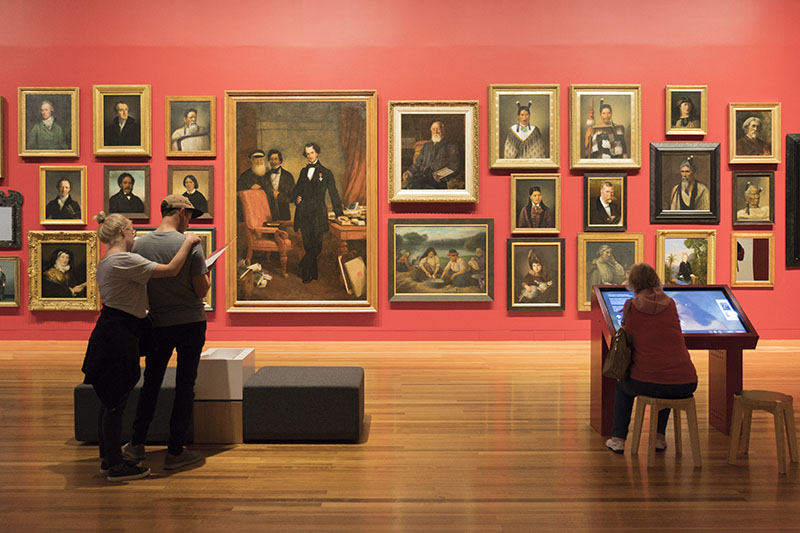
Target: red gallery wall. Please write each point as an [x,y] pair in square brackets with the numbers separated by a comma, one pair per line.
[745,51]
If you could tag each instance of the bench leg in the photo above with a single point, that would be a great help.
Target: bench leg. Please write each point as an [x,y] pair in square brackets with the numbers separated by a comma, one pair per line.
[651,441]
[780,440]
[676,423]
[791,435]
[694,437]
[744,446]
[736,431]
[638,419]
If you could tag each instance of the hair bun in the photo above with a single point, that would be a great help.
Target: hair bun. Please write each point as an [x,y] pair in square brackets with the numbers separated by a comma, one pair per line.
[100,217]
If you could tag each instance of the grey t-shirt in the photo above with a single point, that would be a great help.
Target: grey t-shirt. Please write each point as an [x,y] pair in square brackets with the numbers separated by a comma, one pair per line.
[172,300]
[122,279]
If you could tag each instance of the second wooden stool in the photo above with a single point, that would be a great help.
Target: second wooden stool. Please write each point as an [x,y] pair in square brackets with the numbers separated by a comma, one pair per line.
[656,405]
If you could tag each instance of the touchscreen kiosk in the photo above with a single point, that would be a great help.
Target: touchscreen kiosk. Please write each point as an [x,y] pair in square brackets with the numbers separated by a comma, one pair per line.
[711,319]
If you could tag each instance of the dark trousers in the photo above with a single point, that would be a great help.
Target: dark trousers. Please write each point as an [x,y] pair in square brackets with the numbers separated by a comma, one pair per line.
[628,389]
[312,244]
[109,431]
[187,340]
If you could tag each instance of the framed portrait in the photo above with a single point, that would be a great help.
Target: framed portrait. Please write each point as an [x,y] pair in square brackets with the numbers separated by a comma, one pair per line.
[10,282]
[62,270]
[605,202]
[754,133]
[126,190]
[524,126]
[191,126]
[49,121]
[605,259]
[62,195]
[793,200]
[311,158]
[535,279]
[752,259]
[2,138]
[753,198]
[687,110]
[687,257]
[208,240]
[195,182]
[605,126]
[122,120]
[448,260]
[10,219]
[684,183]
[433,151]
[535,203]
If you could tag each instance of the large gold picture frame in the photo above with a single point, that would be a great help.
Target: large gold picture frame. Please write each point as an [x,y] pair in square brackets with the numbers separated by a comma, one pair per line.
[73,211]
[696,248]
[2,138]
[595,144]
[62,270]
[534,146]
[765,144]
[752,259]
[48,121]
[411,130]
[263,270]
[190,126]
[605,259]
[135,137]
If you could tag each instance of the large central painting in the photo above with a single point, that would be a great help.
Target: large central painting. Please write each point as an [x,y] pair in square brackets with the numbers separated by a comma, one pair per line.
[301,201]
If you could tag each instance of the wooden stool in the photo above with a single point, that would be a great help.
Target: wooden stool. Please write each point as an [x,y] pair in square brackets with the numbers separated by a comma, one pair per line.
[656,405]
[780,405]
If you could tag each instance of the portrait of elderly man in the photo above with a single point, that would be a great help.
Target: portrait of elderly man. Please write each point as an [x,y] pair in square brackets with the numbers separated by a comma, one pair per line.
[123,130]
[62,207]
[439,164]
[689,194]
[753,211]
[605,209]
[605,270]
[524,140]
[607,139]
[191,137]
[124,201]
[751,143]
[47,134]
[253,177]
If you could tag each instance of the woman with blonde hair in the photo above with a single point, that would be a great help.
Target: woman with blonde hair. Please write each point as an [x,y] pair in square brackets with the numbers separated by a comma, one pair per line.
[122,334]
[660,363]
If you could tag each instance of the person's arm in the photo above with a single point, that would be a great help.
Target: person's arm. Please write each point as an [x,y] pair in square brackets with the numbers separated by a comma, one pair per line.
[201,284]
[174,266]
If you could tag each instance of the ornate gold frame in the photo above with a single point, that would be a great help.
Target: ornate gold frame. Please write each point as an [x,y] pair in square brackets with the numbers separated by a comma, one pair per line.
[710,235]
[774,108]
[734,258]
[370,303]
[522,92]
[92,245]
[576,120]
[585,304]
[669,127]
[145,120]
[471,169]
[22,128]
[17,282]
[44,191]
[212,126]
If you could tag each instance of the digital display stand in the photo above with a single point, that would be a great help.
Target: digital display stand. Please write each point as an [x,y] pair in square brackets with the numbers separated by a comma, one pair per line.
[711,319]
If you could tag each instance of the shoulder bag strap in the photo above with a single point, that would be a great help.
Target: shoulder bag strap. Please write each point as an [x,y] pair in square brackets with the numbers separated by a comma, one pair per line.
[625,309]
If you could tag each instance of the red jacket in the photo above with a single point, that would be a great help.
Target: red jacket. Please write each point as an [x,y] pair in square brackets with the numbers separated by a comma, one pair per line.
[659,353]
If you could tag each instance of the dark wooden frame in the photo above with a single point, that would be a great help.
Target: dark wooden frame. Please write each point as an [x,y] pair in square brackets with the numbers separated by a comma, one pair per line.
[13,200]
[793,200]
[736,191]
[623,226]
[511,303]
[665,216]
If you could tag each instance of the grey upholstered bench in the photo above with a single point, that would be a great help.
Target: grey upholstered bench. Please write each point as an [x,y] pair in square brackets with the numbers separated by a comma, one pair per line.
[87,405]
[304,403]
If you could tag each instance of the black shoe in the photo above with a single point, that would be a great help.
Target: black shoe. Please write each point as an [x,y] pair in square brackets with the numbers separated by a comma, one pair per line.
[104,467]
[127,472]
[308,280]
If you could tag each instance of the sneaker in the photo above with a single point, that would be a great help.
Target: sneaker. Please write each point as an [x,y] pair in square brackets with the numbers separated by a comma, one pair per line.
[133,452]
[186,457]
[661,444]
[104,467]
[616,445]
[127,472]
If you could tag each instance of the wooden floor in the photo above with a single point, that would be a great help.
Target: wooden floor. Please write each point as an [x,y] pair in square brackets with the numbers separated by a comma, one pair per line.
[461,437]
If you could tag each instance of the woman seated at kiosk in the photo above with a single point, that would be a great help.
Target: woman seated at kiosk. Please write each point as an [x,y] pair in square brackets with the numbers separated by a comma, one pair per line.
[660,363]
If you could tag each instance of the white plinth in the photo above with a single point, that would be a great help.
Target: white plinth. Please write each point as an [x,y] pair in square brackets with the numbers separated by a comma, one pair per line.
[223,372]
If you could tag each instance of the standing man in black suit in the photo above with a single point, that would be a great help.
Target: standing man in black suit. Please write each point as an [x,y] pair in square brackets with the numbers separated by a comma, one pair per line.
[311,214]
[280,184]
[123,129]
[605,208]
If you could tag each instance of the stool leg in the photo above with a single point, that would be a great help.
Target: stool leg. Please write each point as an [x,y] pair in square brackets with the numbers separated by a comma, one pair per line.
[736,430]
[637,426]
[780,440]
[694,436]
[744,446]
[791,435]
[676,423]
[651,441]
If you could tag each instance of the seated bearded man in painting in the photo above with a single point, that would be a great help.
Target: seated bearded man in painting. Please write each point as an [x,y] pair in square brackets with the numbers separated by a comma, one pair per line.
[524,141]
[439,164]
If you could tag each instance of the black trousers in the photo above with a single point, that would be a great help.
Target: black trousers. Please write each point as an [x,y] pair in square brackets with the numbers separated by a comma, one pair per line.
[187,340]
[312,244]
[109,431]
